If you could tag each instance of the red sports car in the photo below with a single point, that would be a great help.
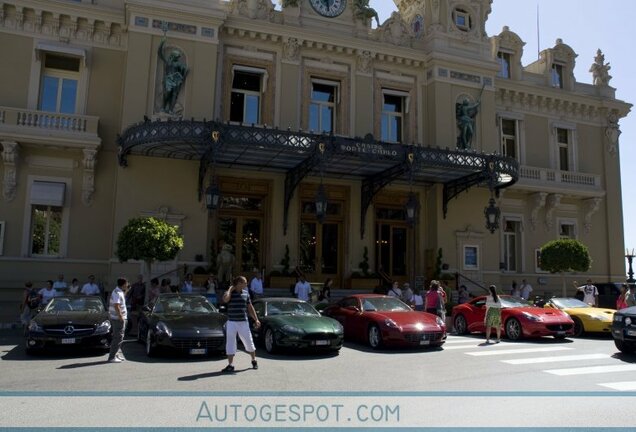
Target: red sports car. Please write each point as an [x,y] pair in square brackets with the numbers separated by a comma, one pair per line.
[518,319]
[383,320]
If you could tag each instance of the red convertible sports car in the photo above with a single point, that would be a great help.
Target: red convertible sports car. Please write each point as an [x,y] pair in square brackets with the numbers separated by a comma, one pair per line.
[383,320]
[518,319]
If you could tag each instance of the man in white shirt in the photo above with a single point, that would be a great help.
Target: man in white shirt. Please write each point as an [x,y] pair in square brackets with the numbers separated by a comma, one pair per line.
[525,290]
[47,293]
[90,288]
[118,315]
[590,293]
[256,285]
[59,285]
[302,289]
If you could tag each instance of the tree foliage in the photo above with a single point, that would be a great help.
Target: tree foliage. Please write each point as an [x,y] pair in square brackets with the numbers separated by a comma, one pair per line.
[148,239]
[565,255]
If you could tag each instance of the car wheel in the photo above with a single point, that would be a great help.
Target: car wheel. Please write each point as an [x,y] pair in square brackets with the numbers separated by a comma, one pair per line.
[513,329]
[460,325]
[624,347]
[270,341]
[150,349]
[375,337]
[578,327]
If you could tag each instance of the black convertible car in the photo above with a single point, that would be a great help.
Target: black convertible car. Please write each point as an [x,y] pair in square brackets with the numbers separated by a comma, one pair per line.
[188,323]
[70,321]
[624,329]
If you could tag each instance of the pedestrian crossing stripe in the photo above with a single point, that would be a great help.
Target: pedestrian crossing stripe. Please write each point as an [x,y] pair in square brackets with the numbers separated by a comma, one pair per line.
[488,352]
[556,359]
[621,386]
[592,370]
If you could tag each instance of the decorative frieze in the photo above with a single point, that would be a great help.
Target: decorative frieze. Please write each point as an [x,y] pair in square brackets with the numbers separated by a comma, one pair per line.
[9,159]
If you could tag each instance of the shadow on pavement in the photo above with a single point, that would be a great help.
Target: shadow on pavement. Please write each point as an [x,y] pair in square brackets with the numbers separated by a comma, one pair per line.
[212,374]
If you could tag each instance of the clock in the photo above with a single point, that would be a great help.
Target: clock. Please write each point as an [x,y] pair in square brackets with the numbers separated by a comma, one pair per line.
[329,8]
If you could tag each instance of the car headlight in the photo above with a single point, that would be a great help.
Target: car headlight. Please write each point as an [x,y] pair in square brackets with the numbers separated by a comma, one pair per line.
[292,329]
[440,322]
[35,327]
[103,328]
[163,328]
[628,321]
[599,317]
[618,318]
[338,328]
[532,317]
[390,323]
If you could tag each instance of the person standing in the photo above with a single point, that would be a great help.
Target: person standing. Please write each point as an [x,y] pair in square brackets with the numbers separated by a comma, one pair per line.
[525,290]
[418,301]
[302,289]
[29,305]
[407,294]
[621,301]
[325,294]
[60,285]
[256,285]
[186,286]
[118,315]
[630,296]
[590,293]
[463,295]
[493,314]
[154,290]
[434,301]
[47,293]
[137,293]
[395,290]
[515,291]
[238,306]
[90,287]
[74,288]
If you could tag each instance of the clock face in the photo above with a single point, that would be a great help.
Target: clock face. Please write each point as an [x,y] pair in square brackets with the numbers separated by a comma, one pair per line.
[329,8]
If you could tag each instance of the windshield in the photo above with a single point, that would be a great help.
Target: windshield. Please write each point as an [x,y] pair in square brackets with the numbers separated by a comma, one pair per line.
[386,304]
[512,302]
[184,305]
[290,308]
[568,303]
[75,304]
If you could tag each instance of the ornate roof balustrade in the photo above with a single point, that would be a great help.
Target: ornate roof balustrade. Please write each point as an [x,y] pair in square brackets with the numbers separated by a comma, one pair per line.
[301,154]
[572,182]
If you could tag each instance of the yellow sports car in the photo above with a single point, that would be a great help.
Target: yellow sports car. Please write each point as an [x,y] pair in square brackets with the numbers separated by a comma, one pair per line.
[586,318]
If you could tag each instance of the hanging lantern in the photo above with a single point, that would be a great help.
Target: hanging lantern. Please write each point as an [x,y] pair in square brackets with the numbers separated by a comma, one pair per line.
[492,214]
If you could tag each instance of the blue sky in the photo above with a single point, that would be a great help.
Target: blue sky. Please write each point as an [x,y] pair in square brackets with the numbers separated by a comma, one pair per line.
[585,25]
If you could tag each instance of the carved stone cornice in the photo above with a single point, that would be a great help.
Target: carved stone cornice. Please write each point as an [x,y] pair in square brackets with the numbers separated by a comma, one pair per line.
[591,207]
[552,202]
[537,202]
[9,159]
[65,23]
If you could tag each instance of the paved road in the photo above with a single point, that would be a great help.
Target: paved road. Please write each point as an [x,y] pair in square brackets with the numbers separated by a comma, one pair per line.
[464,364]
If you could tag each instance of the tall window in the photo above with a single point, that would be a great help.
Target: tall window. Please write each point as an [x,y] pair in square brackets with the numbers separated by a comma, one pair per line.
[556,75]
[46,230]
[245,103]
[504,64]
[322,108]
[392,117]
[563,142]
[512,245]
[508,130]
[58,88]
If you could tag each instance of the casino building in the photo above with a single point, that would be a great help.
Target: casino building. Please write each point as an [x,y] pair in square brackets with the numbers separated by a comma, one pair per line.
[419,146]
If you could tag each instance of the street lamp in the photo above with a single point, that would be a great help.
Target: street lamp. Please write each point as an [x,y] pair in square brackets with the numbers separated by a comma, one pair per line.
[492,214]
[630,257]
[321,195]
[213,193]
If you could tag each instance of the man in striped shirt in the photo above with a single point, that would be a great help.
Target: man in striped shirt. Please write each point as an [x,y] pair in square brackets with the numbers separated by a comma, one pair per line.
[239,305]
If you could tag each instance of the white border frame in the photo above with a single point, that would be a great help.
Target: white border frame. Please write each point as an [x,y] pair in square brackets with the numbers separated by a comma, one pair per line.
[465,265]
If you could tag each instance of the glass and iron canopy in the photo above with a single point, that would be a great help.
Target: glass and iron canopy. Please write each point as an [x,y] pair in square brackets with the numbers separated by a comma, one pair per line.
[300,154]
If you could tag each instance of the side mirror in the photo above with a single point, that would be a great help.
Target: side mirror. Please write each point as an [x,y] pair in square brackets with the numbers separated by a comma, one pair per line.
[352,308]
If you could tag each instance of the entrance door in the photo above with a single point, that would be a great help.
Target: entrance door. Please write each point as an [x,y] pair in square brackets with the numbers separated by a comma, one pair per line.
[320,250]
[391,249]
[244,234]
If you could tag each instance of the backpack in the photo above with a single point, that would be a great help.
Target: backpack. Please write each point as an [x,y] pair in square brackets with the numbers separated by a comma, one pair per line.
[33,300]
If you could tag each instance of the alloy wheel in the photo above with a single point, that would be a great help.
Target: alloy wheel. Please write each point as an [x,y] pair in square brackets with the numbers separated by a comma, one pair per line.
[375,338]
[513,329]
[460,325]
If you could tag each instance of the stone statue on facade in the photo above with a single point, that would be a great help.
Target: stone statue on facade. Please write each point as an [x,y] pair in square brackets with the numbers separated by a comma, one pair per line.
[465,114]
[612,133]
[174,75]
[364,12]
[600,70]
[225,264]
[291,49]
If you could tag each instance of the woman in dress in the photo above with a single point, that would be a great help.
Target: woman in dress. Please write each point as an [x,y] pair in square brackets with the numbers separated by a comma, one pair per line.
[621,302]
[493,314]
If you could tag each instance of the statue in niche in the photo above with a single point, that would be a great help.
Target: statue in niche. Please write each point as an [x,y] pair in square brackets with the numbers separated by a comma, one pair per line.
[364,12]
[600,70]
[225,264]
[174,75]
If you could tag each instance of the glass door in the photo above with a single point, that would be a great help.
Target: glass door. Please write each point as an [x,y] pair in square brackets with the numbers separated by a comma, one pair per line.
[320,247]
[243,234]
[392,241]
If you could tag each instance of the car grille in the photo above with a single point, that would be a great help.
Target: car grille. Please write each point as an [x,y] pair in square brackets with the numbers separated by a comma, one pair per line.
[320,336]
[64,329]
[416,337]
[209,343]
[559,327]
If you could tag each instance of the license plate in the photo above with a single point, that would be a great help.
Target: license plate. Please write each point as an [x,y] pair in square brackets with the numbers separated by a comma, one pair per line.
[631,332]
[322,342]
[425,342]
[560,333]
[198,351]
[68,341]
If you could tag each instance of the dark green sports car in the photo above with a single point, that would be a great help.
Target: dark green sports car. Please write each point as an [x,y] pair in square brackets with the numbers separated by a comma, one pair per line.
[184,322]
[293,323]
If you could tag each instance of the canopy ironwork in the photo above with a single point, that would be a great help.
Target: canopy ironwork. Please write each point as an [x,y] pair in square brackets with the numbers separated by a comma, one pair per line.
[296,153]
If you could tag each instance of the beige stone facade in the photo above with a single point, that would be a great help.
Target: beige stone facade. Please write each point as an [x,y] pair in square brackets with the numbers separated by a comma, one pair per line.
[61,181]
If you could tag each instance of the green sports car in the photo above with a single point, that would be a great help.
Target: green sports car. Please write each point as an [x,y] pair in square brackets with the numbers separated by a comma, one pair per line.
[293,323]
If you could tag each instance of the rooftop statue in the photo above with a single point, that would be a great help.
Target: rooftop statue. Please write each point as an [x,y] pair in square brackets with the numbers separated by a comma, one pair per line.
[174,75]
[364,12]
[600,70]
